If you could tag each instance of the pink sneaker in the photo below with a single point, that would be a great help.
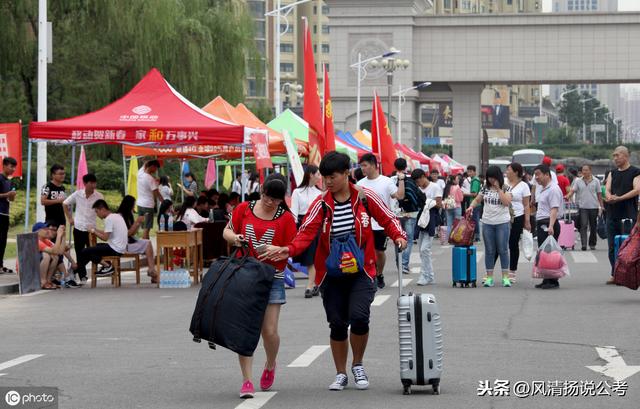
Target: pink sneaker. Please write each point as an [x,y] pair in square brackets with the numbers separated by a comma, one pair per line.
[267,379]
[247,391]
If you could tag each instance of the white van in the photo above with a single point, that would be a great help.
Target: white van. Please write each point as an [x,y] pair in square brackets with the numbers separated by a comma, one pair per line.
[528,158]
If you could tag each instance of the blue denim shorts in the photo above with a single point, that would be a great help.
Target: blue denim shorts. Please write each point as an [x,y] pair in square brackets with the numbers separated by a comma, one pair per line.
[277,295]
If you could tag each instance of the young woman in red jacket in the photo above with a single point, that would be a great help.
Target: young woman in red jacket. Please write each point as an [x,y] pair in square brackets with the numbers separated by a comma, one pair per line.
[345,260]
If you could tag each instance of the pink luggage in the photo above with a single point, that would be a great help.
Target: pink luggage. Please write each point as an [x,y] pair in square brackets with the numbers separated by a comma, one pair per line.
[567,239]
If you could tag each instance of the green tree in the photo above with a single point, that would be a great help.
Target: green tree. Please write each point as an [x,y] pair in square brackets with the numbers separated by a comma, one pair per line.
[102,48]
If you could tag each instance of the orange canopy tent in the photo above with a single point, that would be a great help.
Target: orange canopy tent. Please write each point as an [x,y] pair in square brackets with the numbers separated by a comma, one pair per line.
[237,115]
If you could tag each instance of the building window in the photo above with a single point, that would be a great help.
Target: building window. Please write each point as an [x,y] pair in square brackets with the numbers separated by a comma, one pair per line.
[510,2]
[261,46]
[447,4]
[259,29]
[594,4]
[315,29]
[286,47]
[326,67]
[286,29]
[570,5]
[257,9]
[315,48]
[315,10]
[325,29]
[255,88]
[325,10]
[325,48]
[286,67]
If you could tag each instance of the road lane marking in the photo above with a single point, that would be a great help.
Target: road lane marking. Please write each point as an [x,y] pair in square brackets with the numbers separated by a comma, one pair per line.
[415,270]
[379,300]
[616,367]
[405,282]
[19,360]
[583,257]
[2,374]
[479,255]
[308,356]
[258,401]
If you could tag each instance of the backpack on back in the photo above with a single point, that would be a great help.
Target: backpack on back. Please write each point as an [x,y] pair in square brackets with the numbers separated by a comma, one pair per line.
[414,199]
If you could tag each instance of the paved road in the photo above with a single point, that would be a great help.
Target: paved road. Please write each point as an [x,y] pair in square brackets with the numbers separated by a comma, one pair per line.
[130,348]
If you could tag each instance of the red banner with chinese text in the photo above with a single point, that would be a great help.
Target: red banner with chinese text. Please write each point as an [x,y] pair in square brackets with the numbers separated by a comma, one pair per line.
[11,144]
[261,151]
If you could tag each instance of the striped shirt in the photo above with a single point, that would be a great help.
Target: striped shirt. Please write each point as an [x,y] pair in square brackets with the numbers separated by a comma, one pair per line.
[343,221]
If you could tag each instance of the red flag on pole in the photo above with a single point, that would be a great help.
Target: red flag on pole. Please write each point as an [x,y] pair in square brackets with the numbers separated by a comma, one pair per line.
[11,144]
[329,132]
[382,143]
[312,112]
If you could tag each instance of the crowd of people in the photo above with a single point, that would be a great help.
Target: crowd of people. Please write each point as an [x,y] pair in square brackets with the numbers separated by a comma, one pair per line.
[338,224]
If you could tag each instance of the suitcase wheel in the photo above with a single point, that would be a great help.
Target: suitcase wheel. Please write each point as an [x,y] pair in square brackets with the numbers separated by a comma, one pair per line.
[196,339]
[474,285]
[436,389]
[454,284]
[406,390]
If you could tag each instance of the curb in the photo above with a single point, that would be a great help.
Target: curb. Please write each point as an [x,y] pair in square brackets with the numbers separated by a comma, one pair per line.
[10,288]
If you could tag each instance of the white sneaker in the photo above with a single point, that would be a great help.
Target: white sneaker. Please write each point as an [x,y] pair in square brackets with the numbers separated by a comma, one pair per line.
[360,377]
[340,382]
[424,281]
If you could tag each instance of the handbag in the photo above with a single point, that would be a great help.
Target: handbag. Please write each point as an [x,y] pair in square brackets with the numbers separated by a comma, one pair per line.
[462,231]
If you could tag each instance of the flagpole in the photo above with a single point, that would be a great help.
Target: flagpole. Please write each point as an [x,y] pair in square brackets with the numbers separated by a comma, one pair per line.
[124,172]
[375,110]
[43,45]
[73,167]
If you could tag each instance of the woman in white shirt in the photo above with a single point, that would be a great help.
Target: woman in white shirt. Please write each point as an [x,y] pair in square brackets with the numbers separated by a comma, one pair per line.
[188,215]
[165,189]
[496,219]
[520,196]
[301,199]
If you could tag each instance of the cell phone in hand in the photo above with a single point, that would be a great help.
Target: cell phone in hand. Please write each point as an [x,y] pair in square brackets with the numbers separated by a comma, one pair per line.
[261,248]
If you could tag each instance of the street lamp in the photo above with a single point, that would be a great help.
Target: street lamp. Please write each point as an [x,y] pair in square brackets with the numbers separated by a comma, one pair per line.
[277,12]
[594,120]
[401,93]
[289,89]
[390,65]
[361,66]
[584,113]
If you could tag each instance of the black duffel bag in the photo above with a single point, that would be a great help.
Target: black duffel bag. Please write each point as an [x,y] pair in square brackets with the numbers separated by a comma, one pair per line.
[232,302]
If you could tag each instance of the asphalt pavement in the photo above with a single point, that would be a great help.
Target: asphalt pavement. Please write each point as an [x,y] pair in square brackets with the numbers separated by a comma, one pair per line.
[130,347]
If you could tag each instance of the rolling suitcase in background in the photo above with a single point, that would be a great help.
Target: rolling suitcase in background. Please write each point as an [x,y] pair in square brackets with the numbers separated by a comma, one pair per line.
[464,266]
[617,242]
[567,239]
[420,335]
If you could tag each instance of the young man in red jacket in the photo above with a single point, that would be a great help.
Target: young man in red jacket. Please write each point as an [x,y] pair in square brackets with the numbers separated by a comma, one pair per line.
[343,214]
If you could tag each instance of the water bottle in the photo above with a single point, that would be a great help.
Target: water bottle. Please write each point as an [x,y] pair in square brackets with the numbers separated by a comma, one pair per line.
[170,223]
[210,215]
[160,223]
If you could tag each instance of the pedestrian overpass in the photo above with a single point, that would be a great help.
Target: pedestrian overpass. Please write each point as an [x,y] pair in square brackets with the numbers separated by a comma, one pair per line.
[460,54]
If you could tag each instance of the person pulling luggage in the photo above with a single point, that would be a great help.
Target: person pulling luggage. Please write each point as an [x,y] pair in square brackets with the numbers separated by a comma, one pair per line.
[261,223]
[345,261]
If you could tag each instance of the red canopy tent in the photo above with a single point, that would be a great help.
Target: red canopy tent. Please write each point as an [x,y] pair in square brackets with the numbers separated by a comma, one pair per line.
[152,114]
[423,159]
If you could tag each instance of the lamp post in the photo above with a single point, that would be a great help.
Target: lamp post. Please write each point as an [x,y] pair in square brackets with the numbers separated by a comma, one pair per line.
[278,12]
[390,65]
[401,93]
[594,120]
[289,89]
[584,113]
[361,66]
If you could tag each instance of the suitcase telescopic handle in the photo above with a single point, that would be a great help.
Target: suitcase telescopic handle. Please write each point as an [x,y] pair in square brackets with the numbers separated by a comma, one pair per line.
[399,262]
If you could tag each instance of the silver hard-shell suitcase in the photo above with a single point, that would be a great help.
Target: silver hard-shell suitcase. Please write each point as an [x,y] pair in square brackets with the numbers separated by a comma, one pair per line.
[420,334]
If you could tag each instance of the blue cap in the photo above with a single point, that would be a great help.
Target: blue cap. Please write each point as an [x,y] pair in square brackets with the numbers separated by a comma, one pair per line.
[38,226]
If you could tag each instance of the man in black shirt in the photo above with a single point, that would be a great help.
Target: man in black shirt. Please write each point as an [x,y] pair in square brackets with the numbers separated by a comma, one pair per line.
[7,194]
[53,195]
[623,188]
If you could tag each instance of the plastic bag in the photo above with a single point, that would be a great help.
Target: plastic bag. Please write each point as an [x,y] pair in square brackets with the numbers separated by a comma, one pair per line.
[602,227]
[462,232]
[549,262]
[527,244]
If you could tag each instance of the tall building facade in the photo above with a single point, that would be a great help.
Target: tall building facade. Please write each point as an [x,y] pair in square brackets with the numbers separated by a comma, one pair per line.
[291,30]
[608,94]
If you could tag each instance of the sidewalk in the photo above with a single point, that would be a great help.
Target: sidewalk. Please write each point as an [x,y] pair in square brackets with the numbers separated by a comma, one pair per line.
[9,282]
